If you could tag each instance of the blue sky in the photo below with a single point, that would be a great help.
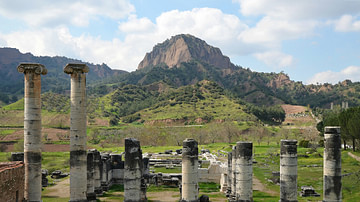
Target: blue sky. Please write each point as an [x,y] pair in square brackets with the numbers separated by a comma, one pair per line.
[310,40]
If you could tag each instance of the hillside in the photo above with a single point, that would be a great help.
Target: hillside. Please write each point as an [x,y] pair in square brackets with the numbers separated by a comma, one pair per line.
[185,60]
[11,81]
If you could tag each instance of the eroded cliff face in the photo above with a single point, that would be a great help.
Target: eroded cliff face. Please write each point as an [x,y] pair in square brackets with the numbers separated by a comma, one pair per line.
[184,48]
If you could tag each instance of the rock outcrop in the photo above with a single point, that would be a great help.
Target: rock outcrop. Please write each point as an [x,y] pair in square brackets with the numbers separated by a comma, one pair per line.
[184,48]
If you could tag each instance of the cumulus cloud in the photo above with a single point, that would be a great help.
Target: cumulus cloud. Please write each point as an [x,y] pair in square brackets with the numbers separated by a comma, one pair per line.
[352,73]
[275,59]
[298,10]
[346,23]
[41,13]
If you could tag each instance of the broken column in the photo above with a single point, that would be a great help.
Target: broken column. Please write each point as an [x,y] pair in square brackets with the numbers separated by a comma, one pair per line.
[97,177]
[332,164]
[288,170]
[190,164]
[105,178]
[229,173]
[78,174]
[117,167]
[90,193]
[32,129]
[244,171]
[233,174]
[133,171]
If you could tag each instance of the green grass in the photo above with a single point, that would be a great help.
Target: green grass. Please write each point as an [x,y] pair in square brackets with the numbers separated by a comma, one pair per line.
[219,109]
[18,105]
[6,132]
[56,161]
[169,170]
[54,199]
[160,188]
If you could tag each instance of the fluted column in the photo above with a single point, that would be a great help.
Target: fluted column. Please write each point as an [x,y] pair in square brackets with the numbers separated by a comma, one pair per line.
[288,171]
[332,164]
[78,174]
[190,164]
[32,129]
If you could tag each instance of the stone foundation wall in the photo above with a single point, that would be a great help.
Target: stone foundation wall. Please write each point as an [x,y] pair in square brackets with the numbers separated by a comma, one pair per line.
[12,181]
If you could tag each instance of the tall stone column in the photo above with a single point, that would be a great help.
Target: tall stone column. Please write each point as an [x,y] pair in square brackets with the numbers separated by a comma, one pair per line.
[78,174]
[288,171]
[190,164]
[133,171]
[244,171]
[32,129]
[332,164]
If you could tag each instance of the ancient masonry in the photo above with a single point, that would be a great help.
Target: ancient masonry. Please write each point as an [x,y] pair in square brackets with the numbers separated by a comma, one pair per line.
[233,175]
[133,183]
[244,171]
[78,156]
[229,181]
[332,164]
[190,164]
[90,193]
[12,181]
[288,170]
[32,129]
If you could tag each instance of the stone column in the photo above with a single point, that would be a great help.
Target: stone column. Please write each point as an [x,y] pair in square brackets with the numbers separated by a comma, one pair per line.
[97,176]
[288,170]
[105,162]
[78,182]
[190,166]
[332,164]
[32,129]
[90,193]
[133,171]
[117,169]
[233,173]
[229,173]
[244,171]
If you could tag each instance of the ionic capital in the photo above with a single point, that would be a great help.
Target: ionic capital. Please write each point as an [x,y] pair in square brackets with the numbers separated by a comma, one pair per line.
[76,68]
[32,68]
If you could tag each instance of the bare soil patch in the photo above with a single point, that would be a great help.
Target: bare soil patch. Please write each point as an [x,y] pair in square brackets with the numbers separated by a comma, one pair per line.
[354,156]
[60,189]
[293,109]
[257,185]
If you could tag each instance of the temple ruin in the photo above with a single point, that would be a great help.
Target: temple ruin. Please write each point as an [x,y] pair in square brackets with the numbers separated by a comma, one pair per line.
[92,173]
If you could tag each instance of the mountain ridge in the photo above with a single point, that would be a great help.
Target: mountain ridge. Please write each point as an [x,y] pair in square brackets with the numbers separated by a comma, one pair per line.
[184,48]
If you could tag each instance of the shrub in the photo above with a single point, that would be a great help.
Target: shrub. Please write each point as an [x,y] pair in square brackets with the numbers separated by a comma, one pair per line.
[304,143]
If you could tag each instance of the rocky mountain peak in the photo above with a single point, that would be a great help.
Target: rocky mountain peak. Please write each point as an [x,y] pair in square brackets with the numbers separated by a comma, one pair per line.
[184,48]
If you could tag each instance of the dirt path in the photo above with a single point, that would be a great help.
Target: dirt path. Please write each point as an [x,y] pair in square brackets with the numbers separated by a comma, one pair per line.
[257,185]
[354,156]
[60,189]
[164,196]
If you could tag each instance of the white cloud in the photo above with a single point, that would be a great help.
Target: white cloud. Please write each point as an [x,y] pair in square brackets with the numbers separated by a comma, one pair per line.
[346,23]
[351,72]
[212,25]
[298,10]
[275,59]
[41,13]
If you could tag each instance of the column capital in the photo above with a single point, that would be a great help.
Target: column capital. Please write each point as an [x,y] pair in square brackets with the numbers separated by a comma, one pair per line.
[76,68]
[32,67]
